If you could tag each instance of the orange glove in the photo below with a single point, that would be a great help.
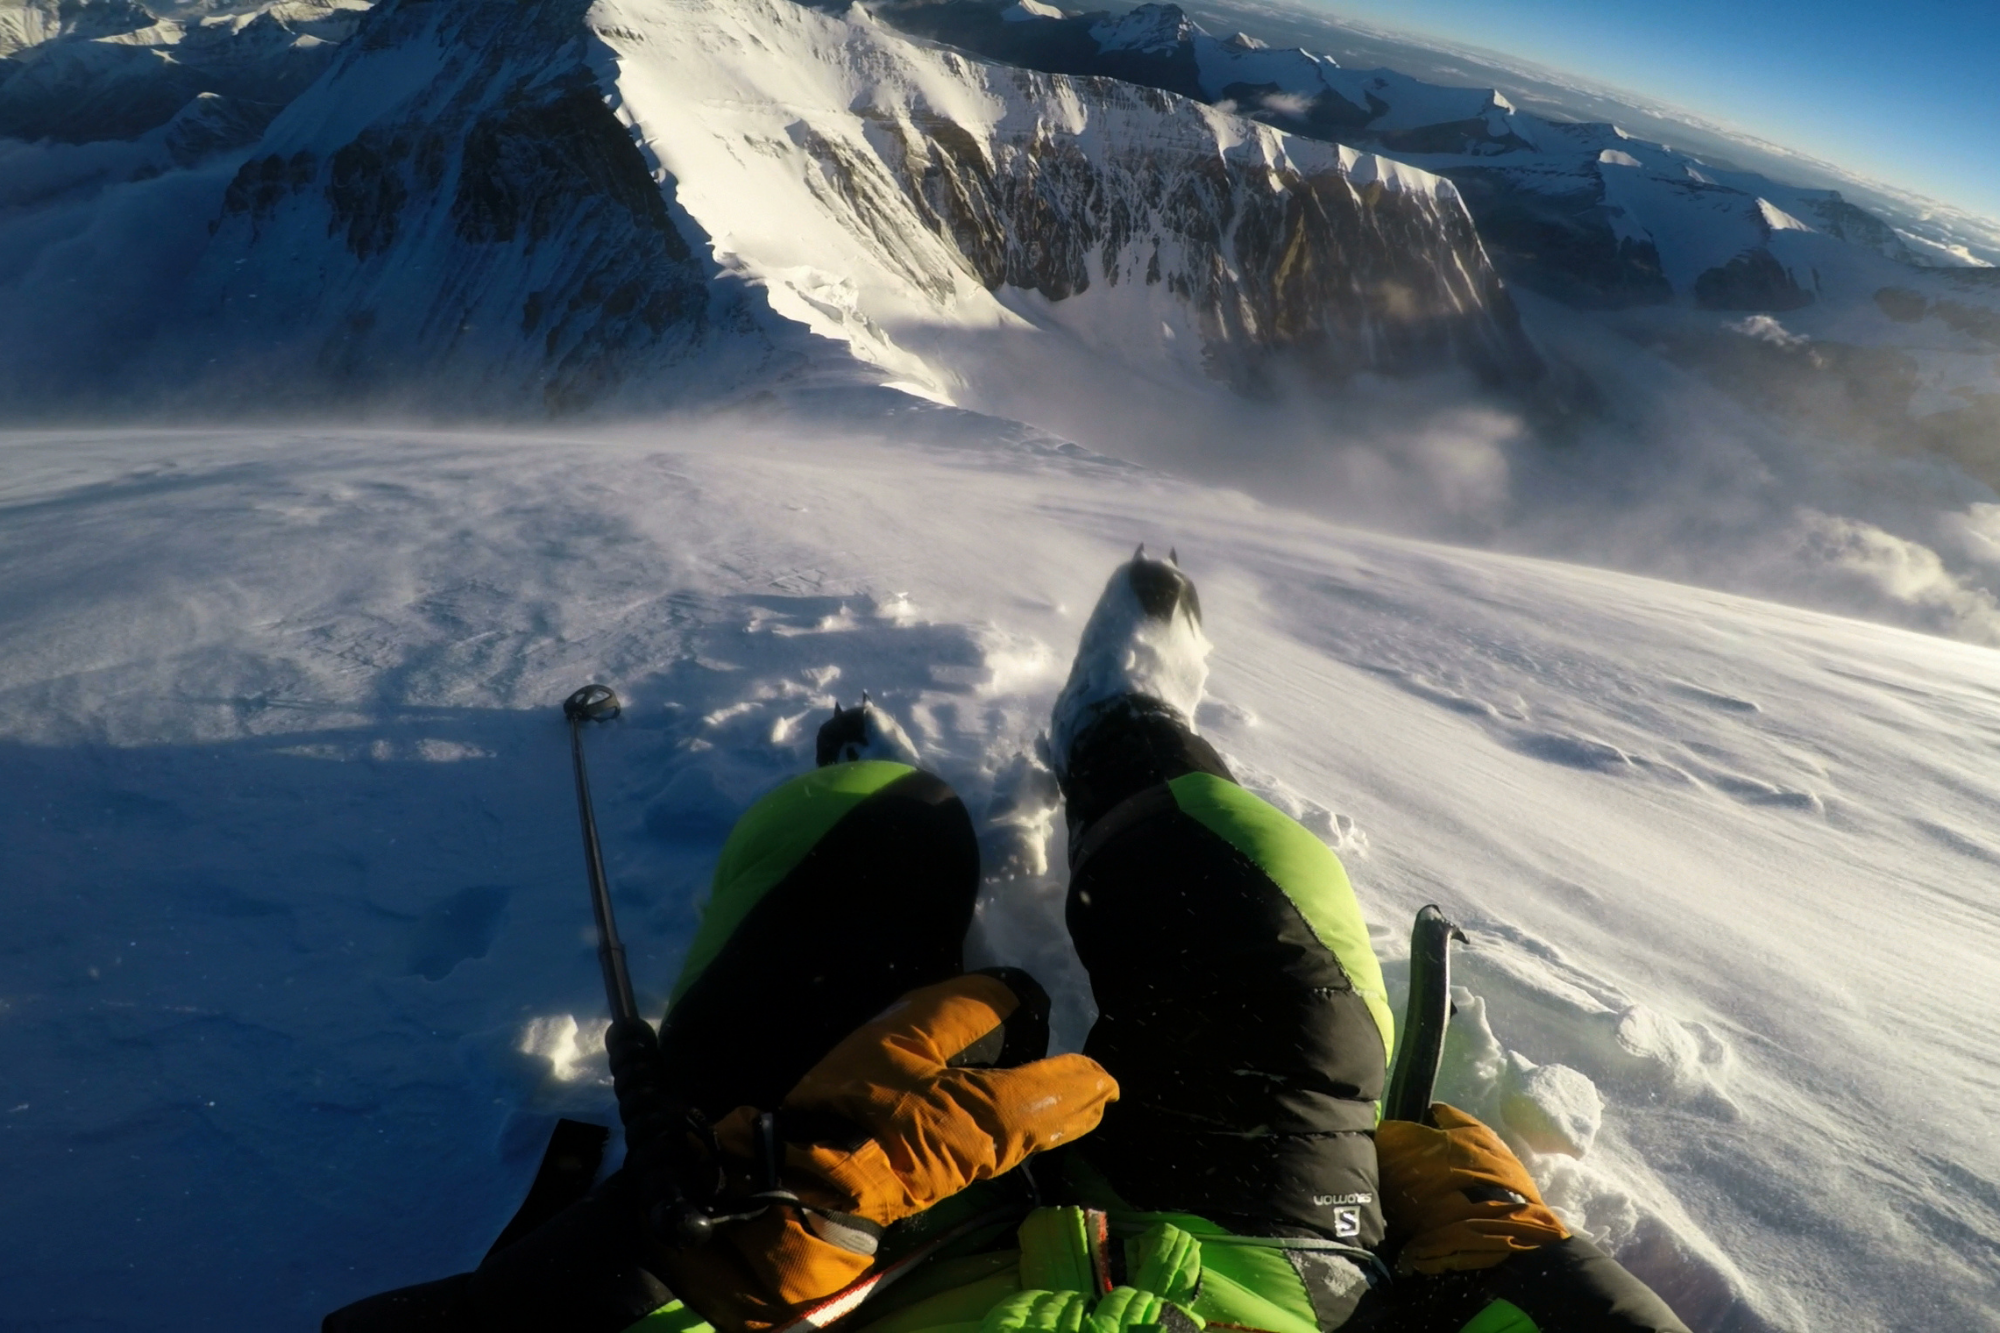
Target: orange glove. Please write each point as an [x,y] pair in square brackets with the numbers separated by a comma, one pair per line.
[925,1131]
[1446,1195]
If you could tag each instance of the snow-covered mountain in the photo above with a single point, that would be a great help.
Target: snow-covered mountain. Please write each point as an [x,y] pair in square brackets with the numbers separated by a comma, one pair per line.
[545,205]
[1791,297]
[82,70]
[1936,231]
[1584,212]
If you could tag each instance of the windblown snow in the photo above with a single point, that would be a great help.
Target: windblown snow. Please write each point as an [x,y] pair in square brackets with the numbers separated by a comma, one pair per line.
[298,965]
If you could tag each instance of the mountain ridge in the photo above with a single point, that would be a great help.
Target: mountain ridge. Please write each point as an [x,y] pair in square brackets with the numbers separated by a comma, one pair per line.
[465,212]
[1538,189]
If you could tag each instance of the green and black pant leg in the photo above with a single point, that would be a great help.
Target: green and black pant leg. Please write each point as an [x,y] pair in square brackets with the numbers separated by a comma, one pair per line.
[835,894]
[1240,1005]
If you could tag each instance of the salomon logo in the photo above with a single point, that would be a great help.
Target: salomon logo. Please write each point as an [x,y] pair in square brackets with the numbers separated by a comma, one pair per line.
[1329,1200]
[1346,1222]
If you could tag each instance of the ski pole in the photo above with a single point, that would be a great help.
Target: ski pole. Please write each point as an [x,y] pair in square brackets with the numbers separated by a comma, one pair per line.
[674,1218]
[1425,1016]
[597,703]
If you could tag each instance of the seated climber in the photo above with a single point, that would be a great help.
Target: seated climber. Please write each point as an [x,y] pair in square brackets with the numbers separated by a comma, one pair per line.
[836,1122]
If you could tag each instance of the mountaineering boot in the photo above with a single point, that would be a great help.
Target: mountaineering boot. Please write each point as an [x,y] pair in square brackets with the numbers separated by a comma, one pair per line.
[1143,642]
[1125,719]
[1239,1004]
[865,731]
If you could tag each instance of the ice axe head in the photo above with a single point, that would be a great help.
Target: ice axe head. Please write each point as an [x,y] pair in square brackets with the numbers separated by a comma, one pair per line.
[592,703]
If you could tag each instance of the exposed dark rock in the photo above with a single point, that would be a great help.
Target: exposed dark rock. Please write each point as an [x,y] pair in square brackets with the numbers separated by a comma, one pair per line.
[1331,118]
[1978,322]
[1902,305]
[1754,280]
[1561,244]
[1447,136]
[366,193]
[1337,278]
[521,171]
[262,183]
[1847,222]
[104,18]
[213,124]
[1844,391]
[500,226]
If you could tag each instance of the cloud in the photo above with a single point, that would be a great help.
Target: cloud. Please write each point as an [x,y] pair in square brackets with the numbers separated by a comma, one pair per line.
[1766,329]
[1294,105]
[1978,532]
[1857,566]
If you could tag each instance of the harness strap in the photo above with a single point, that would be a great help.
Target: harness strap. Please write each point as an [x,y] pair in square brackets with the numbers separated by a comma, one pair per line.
[569,1166]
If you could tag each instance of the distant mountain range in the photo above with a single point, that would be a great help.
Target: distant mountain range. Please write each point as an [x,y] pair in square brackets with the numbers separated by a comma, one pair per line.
[553,205]
[556,205]
[1583,212]
[1938,232]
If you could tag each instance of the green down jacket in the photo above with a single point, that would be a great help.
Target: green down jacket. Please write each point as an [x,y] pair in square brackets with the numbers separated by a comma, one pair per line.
[1077,1270]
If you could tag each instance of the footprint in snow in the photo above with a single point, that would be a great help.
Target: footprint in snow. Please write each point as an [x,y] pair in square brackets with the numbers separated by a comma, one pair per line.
[1020,821]
[456,929]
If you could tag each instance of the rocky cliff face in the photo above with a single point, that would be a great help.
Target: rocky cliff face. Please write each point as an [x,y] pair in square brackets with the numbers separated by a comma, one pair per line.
[470,215]
[1580,212]
[1275,256]
[552,205]
[895,196]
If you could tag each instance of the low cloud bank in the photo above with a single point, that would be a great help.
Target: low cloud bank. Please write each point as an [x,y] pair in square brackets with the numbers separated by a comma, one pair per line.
[1661,474]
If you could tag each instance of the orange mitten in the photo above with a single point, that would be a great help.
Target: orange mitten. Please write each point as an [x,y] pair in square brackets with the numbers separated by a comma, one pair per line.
[909,1130]
[1455,1197]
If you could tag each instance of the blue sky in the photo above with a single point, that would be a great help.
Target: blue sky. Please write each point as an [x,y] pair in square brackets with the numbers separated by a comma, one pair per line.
[1907,92]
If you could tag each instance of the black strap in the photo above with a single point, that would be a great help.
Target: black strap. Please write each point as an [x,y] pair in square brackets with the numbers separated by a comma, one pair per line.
[1328,1115]
[569,1167]
[1127,814]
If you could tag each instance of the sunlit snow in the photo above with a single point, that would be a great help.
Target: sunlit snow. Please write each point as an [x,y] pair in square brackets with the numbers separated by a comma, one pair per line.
[298,957]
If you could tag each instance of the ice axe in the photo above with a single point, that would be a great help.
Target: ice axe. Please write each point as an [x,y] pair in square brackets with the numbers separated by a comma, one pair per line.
[1425,1017]
[597,703]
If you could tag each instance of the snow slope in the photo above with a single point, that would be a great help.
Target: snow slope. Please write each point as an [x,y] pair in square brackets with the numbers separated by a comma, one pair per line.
[296,956]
